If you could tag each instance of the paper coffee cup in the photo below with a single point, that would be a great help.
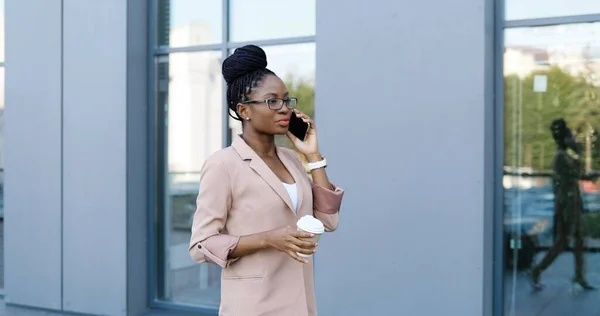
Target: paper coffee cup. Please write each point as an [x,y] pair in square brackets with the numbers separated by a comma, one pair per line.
[312,225]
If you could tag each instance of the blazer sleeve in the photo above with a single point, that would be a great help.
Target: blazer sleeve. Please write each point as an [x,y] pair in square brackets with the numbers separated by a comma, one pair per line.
[209,242]
[326,201]
[326,205]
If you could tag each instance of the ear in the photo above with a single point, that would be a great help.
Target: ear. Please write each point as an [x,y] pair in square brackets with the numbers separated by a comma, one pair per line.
[243,110]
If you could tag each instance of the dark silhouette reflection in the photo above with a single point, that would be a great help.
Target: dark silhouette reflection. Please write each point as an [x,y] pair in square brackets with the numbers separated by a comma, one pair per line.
[568,204]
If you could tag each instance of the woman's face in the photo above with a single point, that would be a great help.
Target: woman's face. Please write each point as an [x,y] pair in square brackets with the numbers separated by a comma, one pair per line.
[264,107]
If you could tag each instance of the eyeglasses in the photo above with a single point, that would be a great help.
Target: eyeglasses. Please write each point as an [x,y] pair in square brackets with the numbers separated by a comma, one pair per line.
[276,104]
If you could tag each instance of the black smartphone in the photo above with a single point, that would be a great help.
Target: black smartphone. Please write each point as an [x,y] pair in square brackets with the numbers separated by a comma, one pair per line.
[298,127]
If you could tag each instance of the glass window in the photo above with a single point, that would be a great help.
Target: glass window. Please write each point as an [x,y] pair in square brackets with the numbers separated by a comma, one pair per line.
[531,9]
[183,23]
[190,93]
[551,169]
[271,19]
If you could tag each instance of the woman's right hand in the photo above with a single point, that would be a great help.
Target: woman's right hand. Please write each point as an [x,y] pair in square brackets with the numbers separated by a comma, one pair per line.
[289,240]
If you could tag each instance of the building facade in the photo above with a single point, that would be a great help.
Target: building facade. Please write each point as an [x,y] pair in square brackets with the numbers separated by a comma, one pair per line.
[434,117]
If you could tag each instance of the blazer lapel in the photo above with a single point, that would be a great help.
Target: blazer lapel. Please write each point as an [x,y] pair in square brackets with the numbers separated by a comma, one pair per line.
[261,168]
[297,174]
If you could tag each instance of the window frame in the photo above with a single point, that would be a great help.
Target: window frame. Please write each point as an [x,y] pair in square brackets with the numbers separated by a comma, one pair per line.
[500,25]
[157,168]
[2,290]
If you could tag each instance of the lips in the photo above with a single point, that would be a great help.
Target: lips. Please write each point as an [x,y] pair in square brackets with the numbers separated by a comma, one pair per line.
[284,122]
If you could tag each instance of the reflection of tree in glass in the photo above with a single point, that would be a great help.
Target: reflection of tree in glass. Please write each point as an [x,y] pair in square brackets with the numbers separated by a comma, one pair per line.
[303,89]
[575,98]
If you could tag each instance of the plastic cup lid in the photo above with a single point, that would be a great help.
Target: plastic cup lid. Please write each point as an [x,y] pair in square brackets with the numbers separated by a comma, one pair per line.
[310,224]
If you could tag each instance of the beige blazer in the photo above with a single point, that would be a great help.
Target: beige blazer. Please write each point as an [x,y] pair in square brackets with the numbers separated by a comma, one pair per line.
[239,195]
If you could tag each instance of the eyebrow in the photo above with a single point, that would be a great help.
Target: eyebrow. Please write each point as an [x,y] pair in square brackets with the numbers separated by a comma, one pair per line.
[275,95]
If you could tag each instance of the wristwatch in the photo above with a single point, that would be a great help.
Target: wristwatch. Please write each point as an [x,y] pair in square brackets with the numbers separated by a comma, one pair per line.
[318,164]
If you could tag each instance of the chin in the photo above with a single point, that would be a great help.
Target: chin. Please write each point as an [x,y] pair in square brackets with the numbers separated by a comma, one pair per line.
[280,131]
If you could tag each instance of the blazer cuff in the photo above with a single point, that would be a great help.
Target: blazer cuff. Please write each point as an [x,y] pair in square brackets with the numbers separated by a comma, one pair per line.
[326,200]
[217,248]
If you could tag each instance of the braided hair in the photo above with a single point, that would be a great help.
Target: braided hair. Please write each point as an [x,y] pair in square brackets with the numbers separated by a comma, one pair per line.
[242,71]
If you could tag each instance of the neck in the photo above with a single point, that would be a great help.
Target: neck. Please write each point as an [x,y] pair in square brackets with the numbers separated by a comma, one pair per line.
[263,145]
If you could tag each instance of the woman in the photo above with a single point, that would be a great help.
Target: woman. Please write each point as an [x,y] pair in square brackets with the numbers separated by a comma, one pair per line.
[568,205]
[252,194]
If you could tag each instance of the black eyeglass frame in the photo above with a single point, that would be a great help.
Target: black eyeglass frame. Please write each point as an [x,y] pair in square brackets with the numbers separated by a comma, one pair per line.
[279,103]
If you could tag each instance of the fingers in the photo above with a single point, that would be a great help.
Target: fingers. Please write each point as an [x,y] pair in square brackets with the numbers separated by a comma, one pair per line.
[306,251]
[301,234]
[291,137]
[305,118]
[295,251]
[298,241]
[306,244]
[296,257]
[295,242]
[303,246]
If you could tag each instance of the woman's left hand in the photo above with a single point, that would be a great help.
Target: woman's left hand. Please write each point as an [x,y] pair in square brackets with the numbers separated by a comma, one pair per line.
[309,146]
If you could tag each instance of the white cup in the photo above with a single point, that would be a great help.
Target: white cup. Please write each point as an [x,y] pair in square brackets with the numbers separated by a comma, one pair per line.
[312,225]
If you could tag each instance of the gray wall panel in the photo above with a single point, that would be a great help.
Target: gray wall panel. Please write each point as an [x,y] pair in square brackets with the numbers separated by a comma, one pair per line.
[95,258]
[32,136]
[137,179]
[401,121]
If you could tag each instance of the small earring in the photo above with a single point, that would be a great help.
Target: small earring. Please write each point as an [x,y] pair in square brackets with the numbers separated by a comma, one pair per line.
[247,119]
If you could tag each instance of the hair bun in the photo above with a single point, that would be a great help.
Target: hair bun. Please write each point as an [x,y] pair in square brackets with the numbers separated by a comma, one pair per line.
[244,60]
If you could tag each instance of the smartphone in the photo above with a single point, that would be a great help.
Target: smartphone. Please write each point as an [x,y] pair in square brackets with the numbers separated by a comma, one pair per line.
[298,127]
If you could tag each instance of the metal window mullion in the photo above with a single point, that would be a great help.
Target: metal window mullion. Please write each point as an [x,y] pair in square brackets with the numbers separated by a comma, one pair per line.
[225,44]
[277,41]
[153,273]
[165,50]
[175,308]
[224,53]
[498,272]
[572,19]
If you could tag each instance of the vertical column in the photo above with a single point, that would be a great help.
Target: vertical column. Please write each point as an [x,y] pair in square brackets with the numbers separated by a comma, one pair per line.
[137,156]
[401,121]
[95,157]
[33,175]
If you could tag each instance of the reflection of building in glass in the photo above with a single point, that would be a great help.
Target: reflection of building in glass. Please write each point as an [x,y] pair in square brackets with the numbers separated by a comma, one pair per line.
[190,34]
[522,61]
[194,132]
[195,108]
[576,61]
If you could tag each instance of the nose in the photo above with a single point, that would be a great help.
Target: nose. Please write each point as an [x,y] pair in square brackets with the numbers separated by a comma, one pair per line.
[284,109]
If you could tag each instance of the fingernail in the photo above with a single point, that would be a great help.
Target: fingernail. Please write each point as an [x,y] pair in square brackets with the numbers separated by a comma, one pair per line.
[305,261]
[314,250]
[316,244]
[312,235]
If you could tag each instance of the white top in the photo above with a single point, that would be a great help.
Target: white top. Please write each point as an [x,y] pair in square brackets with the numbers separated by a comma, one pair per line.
[292,190]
